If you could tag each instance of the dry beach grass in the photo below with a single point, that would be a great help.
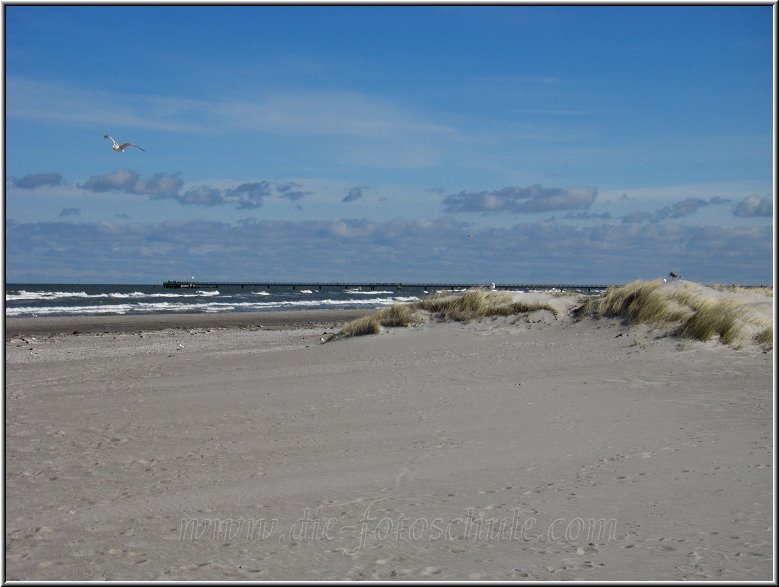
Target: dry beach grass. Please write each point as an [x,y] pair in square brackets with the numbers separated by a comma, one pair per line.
[683,309]
[474,304]
[689,310]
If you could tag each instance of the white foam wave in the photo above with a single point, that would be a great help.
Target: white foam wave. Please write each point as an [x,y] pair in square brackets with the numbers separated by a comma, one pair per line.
[367,293]
[135,294]
[44,295]
[172,306]
[69,310]
[31,296]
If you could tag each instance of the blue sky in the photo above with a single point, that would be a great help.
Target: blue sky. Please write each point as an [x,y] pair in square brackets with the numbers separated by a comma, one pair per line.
[473,143]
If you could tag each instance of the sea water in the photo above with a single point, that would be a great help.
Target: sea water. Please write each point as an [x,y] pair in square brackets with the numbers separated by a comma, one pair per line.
[28,300]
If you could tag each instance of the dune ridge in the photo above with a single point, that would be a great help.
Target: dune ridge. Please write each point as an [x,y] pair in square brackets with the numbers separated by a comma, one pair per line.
[732,315]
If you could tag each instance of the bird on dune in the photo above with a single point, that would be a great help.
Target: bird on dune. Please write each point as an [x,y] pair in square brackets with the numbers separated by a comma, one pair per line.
[120,148]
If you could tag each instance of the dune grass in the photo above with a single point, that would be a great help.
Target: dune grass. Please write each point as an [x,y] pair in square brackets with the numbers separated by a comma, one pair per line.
[359,327]
[473,304]
[476,304]
[683,311]
[710,318]
[395,315]
[392,316]
[639,302]
[765,337]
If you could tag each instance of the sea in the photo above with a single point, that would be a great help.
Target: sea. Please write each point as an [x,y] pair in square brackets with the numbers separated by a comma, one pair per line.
[30,300]
[25,300]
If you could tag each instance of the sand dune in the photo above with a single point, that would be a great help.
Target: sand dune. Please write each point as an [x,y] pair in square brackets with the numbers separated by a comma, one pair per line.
[506,448]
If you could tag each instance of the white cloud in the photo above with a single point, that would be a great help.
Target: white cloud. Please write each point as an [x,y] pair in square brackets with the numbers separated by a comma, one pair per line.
[755,206]
[722,189]
[531,199]
[354,194]
[36,180]
[162,186]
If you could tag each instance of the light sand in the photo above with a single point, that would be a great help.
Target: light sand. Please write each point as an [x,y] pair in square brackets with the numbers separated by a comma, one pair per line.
[562,450]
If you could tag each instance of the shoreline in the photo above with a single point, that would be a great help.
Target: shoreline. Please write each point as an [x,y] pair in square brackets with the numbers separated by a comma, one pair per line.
[285,320]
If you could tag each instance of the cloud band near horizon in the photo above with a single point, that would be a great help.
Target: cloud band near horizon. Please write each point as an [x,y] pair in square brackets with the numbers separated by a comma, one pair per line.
[360,249]
[532,199]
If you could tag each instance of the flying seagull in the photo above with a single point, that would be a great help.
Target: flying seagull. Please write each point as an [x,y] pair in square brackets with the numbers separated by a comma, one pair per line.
[674,275]
[120,148]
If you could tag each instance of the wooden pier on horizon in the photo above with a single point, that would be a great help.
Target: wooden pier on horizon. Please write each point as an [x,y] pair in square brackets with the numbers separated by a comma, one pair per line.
[396,285]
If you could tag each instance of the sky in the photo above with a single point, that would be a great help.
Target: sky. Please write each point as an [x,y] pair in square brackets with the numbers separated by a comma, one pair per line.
[507,144]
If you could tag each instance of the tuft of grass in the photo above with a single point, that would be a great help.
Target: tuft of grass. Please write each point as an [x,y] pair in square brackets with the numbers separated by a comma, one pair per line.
[393,316]
[688,314]
[721,318]
[638,302]
[462,307]
[526,307]
[475,304]
[766,337]
[359,327]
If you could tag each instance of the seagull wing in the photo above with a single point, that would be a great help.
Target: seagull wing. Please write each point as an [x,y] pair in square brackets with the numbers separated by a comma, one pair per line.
[125,145]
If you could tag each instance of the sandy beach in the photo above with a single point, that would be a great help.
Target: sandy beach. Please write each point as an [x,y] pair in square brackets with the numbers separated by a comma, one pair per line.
[548,449]
[51,326]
